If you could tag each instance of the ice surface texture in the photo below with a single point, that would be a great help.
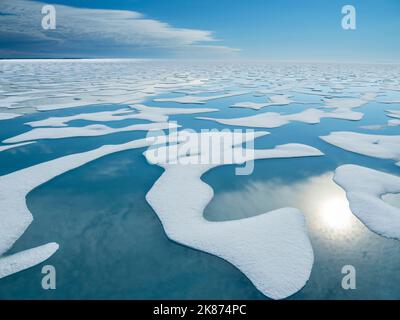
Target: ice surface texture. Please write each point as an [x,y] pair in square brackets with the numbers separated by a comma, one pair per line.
[272,249]
[378,146]
[364,188]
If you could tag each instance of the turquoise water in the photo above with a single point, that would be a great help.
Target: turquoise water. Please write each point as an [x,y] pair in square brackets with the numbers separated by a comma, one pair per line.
[112,245]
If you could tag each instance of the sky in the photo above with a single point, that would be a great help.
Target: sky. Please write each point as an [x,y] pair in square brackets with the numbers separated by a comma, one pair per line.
[288,30]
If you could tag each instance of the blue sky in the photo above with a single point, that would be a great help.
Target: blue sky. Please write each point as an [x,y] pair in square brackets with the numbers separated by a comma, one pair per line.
[297,30]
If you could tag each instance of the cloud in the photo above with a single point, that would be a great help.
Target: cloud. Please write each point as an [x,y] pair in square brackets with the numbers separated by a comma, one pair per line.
[96,32]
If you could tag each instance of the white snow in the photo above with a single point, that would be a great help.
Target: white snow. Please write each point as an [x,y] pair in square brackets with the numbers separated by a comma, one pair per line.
[14,214]
[115,115]
[394,122]
[249,105]
[87,131]
[162,114]
[277,100]
[198,99]
[274,119]
[365,188]
[144,113]
[8,116]
[393,113]
[12,146]
[272,249]
[377,146]
[390,101]
[369,96]
[26,259]
[345,103]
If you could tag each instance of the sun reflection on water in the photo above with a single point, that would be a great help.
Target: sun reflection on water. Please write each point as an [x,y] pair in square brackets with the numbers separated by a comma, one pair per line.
[335,213]
[323,203]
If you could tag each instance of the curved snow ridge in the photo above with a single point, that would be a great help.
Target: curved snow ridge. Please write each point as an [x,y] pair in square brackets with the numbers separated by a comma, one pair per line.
[26,259]
[274,119]
[377,146]
[15,216]
[365,188]
[273,249]
[87,131]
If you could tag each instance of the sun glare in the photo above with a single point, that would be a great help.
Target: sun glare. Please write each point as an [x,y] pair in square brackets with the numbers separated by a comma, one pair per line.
[336,213]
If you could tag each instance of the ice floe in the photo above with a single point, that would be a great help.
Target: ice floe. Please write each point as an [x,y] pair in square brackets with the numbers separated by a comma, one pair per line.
[393,123]
[277,100]
[87,131]
[369,96]
[344,103]
[15,216]
[274,119]
[8,116]
[198,99]
[377,146]
[144,113]
[390,101]
[393,113]
[162,114]
[272,249]
[364,188]
[12,146]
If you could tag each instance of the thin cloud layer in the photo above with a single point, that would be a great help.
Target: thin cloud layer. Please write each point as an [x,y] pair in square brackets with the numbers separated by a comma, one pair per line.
[95,32]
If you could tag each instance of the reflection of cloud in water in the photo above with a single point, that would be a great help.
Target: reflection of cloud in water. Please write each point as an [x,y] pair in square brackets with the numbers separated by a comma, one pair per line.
[113,168]
[322,201]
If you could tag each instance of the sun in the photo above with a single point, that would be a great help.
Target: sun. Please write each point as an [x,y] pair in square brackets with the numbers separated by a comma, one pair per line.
[336,214]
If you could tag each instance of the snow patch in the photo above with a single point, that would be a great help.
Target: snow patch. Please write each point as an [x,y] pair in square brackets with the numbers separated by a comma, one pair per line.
[88,131]
[377,146]
[365,188]
[272,249]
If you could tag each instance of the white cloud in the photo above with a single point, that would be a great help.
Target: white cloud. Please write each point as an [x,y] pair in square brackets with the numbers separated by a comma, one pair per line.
[95,30]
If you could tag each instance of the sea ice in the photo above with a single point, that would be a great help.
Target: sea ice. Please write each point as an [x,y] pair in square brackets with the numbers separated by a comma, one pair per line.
[393,113]
[277,100]
[88,131]
[115,115]
[14,214]
[12,146]
[365,188]
[8,116]
[377,146]
[345,103]
[274,119]
[369,96]
[162,114]
[198,99]
[144,113]
[390,101]
[272,249]
[26,259]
